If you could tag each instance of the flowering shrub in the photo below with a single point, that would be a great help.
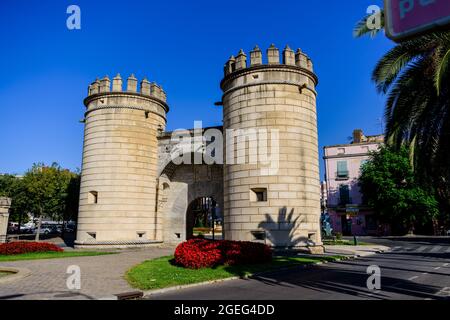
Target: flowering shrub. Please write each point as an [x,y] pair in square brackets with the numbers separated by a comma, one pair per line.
[20,247]
[197,254]
[236,252]
[202,253]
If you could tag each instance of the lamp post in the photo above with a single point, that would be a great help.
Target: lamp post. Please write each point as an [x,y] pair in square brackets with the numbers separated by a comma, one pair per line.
[213,218]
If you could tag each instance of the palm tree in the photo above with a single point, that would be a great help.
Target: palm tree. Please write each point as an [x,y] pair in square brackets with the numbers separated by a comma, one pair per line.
[415,77]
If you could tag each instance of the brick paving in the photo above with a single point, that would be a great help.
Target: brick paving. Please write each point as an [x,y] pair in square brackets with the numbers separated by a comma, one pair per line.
[101,276]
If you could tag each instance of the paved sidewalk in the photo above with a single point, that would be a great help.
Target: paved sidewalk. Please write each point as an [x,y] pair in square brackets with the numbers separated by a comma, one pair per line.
[101,276]
[362,251]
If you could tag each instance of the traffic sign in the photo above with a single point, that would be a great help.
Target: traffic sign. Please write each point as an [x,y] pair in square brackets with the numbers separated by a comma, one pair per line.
[408,18]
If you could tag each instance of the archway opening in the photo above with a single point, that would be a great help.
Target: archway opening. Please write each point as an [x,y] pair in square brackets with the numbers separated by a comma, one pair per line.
[203,218]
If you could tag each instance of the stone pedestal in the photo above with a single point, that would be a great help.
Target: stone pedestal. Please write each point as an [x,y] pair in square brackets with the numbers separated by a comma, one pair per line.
[5,204]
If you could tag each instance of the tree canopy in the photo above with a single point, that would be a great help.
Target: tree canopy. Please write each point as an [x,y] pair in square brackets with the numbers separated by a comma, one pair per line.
[388,184]
[49,191]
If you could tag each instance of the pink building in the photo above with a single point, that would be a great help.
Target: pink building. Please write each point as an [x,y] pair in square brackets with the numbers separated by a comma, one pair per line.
[348,213]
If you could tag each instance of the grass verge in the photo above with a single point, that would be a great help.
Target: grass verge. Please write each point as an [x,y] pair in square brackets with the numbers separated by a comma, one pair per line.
[4,274]
[51,255]
[344,243]
[161,273]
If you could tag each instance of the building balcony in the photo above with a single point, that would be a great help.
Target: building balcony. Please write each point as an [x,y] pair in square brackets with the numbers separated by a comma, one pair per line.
[342,175]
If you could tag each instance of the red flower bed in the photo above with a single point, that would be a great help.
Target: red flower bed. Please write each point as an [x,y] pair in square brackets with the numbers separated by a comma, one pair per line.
[202,253]
[20,247]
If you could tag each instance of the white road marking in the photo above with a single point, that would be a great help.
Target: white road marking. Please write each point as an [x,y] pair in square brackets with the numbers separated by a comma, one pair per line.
[436,249]
[437,268]
[413,278]
[444,292]
[420,249]
[425,273]
[396,248]
[445,264]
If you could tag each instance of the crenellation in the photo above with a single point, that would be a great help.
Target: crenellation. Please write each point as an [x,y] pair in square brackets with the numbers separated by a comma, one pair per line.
[146,88]
[255,56]
[230,65]
[289,58]
[273,55]
[132,83]
[301,59]
[155,90]
[241,60]
[105,84]
[94,87]
[117,83]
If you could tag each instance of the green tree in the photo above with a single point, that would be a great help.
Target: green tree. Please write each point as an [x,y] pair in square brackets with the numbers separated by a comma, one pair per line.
[14,188]
[388,185]
[43,191]
[415,75]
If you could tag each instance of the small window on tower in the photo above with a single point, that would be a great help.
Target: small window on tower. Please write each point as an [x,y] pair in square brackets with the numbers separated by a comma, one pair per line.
[93,197]
[258,195]
[140,234]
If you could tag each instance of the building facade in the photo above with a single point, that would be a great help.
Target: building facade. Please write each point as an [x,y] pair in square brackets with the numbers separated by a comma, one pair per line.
[345,205]
[136,192]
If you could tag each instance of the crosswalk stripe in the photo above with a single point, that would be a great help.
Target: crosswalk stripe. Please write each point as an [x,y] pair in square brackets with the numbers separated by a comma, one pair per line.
[436,249]
[420,249]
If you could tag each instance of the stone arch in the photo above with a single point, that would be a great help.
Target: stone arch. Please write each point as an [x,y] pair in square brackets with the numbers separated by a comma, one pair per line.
[199,210]
[187,182]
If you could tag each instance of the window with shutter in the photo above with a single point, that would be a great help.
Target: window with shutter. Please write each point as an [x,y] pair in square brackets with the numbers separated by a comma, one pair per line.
[342,170]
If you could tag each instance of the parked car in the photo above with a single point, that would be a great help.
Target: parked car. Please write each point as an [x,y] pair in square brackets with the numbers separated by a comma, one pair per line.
[44,230]
[26,229]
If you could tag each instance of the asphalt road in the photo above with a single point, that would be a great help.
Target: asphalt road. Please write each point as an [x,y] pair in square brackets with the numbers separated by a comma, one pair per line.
[416,268]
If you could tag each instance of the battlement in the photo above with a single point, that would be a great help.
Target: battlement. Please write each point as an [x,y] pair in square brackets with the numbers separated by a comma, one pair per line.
[289,58]
[146,88]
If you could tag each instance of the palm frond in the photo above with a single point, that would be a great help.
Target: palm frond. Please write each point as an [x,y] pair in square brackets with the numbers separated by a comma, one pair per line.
[362,28]
[442,71]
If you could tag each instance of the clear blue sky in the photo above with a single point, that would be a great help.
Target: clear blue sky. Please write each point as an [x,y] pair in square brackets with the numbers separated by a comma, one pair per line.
[182,45]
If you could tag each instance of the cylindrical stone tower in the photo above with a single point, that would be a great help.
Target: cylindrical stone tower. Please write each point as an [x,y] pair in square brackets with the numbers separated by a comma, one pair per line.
[282,205]
[119,171]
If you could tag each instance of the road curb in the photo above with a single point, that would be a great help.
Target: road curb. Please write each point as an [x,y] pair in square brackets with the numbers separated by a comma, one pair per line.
[18,273]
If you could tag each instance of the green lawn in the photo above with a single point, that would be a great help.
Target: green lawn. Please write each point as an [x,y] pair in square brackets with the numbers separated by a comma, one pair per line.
[51,255]
[344,243]
[4,274]
[161,273]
